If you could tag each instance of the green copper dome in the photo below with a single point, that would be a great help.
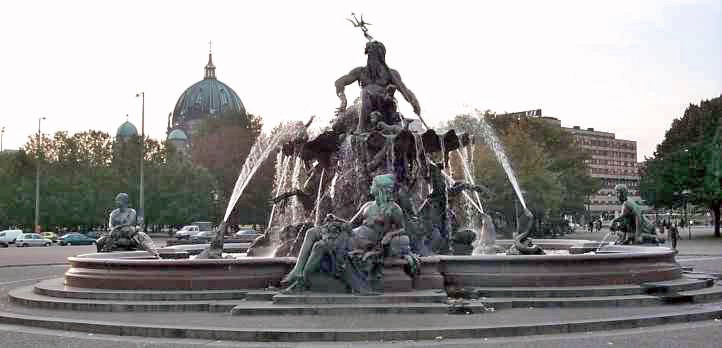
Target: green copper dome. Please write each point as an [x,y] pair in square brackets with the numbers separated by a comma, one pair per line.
[177,134]
[207,98]
[126,130]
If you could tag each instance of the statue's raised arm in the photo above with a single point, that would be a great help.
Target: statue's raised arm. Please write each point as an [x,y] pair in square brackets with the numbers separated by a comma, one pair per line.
[341,84]
[408,95]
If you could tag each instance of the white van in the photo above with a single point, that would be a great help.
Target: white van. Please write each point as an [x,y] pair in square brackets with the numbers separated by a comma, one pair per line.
[187,232]
[8,237]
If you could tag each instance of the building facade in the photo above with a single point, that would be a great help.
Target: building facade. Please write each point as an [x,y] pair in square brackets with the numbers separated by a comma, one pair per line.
[613,161]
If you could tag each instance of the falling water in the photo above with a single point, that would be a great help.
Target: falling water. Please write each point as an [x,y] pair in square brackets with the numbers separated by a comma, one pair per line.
[442,146]
[263,147]
[281,169]
[498,148]
[466,195]
[296,208]
[332,188]
[393,156]
[317,219]
[467,171]
[389,154]
[421,167]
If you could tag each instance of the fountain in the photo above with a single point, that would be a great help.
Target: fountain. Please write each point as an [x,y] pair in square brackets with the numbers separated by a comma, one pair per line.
[439,235]
[369,207]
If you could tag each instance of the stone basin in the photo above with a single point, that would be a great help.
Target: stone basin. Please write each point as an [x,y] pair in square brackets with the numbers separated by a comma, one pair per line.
[613,265]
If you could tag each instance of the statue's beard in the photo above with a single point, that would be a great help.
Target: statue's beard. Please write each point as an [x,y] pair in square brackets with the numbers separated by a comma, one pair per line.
[384,200]
[376,66]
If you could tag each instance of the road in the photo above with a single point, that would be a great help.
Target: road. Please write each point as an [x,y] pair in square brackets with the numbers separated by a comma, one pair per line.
[13,256]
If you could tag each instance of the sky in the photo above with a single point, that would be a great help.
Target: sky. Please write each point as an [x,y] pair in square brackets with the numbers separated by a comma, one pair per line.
[628,67]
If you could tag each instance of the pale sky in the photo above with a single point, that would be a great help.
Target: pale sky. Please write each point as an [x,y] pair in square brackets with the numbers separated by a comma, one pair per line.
[628,67]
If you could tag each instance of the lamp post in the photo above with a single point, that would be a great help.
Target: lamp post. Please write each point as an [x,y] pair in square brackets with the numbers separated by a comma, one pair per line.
[2,133]
[37,181]
[141,213]
[685,195]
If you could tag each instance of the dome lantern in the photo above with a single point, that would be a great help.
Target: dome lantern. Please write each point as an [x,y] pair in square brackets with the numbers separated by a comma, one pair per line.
[210,68]
[126,131]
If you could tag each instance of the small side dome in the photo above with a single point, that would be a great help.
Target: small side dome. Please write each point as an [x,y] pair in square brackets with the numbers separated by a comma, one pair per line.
[126,130]
[177,134]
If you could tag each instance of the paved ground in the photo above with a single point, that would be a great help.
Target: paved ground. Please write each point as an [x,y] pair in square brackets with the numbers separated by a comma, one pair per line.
[13,256]
[703,252]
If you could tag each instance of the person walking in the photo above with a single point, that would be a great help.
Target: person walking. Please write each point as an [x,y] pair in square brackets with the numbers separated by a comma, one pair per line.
[674,235]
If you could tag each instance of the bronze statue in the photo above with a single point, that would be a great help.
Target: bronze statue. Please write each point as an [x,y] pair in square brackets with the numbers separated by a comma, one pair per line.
[378,84]
[523,245]
[124,233]
[633,226]
[356,253]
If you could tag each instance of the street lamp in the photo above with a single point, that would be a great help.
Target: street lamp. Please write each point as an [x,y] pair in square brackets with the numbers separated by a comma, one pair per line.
[685,195]
[2,133]
[37,181]
[141,213]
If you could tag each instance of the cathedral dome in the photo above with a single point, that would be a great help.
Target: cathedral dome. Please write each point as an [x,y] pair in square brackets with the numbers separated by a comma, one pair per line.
[206,99]
[177,134]
[126,130]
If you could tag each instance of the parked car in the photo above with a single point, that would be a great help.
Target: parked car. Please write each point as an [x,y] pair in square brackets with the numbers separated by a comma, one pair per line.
[92,234]
[8,237]
[246,236]
[75,238]
[187,232]
[32,239]
[50,235]
[203,237]
[203,225]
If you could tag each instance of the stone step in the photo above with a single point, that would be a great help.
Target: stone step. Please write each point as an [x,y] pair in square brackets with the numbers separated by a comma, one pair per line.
[676,285]
[260,295]
[710,294]
[682,284]
[431,330]
[422,296]
[266,308]
[27,297]
[589,301]
[702,275]
[56,288]
[557,292]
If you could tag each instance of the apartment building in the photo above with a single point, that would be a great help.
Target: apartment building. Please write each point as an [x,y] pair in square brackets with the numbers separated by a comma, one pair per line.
[613,161]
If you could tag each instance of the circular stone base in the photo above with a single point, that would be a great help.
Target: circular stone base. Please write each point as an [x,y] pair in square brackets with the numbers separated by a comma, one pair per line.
[137,270]
[613,266]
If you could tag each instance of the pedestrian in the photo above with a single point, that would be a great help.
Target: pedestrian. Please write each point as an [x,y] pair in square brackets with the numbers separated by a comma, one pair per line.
[674,236]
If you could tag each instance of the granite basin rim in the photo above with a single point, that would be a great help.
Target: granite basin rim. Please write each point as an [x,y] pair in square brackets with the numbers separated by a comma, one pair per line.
[624,265]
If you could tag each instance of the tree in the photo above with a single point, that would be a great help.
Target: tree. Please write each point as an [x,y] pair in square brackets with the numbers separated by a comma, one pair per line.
[688,159]
[550,168]
[221,145]
[82,173]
